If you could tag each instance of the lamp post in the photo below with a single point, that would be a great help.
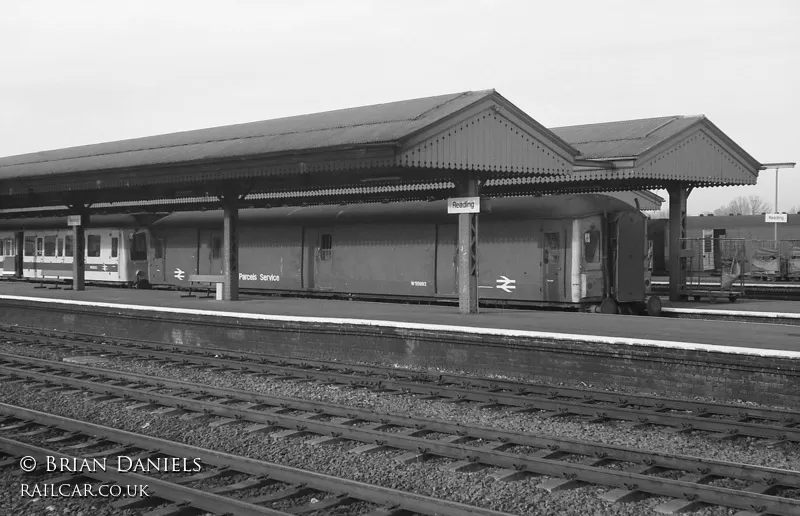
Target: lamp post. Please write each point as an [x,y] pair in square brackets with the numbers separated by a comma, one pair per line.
[777,167]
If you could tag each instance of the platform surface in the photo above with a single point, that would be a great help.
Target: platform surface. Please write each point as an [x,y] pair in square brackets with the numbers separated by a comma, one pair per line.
[717,333]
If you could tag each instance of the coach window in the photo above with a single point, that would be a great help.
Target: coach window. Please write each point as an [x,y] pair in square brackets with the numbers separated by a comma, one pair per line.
[68,245]
[39,246]
[50,246]
[30,246]
[591,246]
[93,246]
[2,248]
[114,246]
[60,247]
[139,246]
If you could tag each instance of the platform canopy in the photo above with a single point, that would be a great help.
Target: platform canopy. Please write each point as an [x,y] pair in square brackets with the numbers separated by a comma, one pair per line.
[654,153]
[409,150]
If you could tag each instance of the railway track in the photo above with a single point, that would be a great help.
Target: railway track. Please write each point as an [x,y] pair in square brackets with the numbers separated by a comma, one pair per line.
[773,426]
[299,491]
[634,474]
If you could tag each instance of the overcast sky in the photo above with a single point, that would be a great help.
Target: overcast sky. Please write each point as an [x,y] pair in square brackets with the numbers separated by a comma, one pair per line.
[78,72]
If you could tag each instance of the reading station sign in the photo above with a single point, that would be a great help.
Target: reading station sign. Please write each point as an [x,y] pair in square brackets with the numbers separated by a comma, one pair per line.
[464,205]
[776,217]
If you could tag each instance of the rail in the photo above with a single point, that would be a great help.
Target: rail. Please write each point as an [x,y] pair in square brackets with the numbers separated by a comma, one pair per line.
[391,499]
[688,490]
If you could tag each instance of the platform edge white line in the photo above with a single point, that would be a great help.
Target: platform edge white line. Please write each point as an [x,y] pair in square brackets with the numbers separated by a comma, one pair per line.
[704,311]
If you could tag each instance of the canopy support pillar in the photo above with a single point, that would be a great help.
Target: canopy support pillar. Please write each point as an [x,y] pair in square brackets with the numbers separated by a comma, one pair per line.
[79,250]
[468,251]
[678,195]
[19,245]
[230,257]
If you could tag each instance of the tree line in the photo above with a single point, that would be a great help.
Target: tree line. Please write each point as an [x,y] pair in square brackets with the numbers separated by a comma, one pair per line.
[743,205]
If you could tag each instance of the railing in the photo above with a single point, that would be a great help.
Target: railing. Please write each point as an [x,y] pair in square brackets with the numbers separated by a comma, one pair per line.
[770,260]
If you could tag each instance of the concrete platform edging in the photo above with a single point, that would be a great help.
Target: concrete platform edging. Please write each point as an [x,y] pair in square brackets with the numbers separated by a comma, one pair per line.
[450,329]
[681,370]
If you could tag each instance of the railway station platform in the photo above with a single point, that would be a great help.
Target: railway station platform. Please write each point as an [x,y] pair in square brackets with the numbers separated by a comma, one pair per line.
[687,357]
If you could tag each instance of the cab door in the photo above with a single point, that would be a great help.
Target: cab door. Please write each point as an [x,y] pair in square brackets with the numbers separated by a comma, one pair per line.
[552,263]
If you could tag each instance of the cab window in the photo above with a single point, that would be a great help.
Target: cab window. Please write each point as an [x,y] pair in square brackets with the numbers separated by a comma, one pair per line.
[139,246]
[591,246]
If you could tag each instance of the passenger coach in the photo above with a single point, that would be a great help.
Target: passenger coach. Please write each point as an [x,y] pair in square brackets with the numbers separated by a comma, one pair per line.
[114,253]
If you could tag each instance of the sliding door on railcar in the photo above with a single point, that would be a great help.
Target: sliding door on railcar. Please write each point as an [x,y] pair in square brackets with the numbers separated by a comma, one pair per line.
[8,256]
[210,252]
[553,260]
[33,244]
[158,265]
[319,269]
[629,270]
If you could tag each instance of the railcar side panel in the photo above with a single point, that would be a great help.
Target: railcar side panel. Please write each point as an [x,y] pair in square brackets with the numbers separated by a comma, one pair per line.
[395,259]
[271,257]
[510,260]
[447,259]
[180,260]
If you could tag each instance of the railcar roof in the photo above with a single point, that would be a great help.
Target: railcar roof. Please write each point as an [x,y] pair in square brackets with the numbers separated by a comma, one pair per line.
[550,207]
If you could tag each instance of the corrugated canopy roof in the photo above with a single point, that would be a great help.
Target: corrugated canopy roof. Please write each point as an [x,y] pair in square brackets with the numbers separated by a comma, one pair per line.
[366,125]
[688,149]
[623,139]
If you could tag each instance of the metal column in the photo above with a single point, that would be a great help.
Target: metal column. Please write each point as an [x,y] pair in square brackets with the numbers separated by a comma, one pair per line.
[468,252]
[230,259]
[19,244]
[678,194]
[79,253]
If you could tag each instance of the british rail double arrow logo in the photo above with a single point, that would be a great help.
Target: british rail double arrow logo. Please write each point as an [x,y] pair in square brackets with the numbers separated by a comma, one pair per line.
[504,283]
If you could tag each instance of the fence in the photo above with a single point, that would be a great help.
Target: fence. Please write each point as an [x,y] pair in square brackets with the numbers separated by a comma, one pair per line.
[769,260]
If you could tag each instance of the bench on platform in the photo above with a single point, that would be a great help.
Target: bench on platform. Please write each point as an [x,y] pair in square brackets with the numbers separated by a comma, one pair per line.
[55,284]
[210,281]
